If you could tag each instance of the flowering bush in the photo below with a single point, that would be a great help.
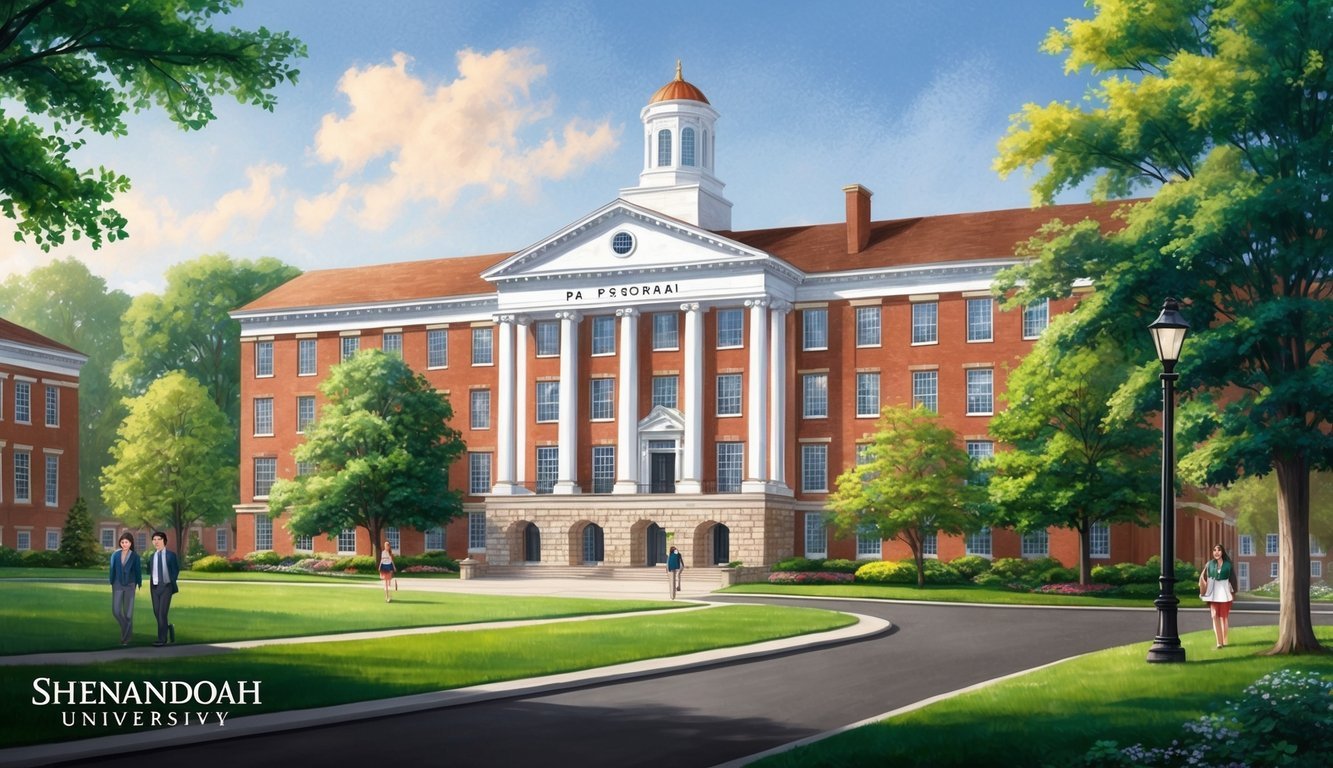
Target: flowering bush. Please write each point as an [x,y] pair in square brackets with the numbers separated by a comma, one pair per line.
[426,569]
[810,577]
[212,563]
[1318,590]
[1284,718]
[1073,588]
[887,572]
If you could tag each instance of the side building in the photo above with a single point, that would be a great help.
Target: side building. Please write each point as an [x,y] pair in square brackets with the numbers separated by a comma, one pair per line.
[646,372]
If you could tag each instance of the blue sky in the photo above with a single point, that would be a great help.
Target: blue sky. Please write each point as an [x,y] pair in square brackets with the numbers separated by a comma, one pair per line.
[427,129]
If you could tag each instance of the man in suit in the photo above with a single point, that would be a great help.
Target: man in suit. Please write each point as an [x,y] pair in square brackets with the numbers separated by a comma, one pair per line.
[163,570]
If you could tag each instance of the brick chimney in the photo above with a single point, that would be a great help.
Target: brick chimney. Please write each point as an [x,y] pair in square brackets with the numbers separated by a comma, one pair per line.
[858,217]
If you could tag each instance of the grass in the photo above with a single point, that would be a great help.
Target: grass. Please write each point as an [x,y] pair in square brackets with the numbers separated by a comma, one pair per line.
[950,593]
[1054,715]
[64,616]
[317,675]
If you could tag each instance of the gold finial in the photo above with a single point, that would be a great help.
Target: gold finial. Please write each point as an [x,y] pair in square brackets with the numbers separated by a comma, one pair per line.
[678,76]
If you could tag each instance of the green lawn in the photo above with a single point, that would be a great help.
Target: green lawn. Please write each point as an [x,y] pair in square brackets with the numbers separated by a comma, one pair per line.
[1054,715]
[950,593]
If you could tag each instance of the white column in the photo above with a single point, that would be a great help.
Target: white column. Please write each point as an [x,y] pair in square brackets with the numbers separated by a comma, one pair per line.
[757,411]
[522,324]
[777,423]
[566,478]
[627,415]
[504,415]
[692,449]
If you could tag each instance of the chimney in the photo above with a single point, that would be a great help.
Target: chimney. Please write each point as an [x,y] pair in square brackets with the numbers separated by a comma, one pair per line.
[858,217]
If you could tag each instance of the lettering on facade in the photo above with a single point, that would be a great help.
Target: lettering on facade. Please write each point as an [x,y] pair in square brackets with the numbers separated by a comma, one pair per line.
[624,292]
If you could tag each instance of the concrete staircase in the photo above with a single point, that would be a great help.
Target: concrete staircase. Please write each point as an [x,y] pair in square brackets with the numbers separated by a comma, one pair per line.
[695,578]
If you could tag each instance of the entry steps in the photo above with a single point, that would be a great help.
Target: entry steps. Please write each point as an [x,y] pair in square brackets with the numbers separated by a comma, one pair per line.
[710,578]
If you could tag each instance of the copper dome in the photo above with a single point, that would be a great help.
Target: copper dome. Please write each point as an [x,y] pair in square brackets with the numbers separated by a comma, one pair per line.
[678,89]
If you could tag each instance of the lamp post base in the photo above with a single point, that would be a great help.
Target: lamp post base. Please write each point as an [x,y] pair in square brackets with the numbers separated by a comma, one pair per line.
[1163,652]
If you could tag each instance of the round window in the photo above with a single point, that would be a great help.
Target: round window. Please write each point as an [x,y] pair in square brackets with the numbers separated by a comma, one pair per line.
[622,243]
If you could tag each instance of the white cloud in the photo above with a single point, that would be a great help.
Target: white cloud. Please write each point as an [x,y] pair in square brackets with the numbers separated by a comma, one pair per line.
[406,141]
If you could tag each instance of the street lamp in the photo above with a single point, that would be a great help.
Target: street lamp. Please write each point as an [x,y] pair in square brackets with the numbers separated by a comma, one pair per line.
[1168,333]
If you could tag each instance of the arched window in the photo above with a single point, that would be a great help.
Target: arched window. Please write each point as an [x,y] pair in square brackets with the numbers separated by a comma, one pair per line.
[663,147]
[687,146]
[703,152]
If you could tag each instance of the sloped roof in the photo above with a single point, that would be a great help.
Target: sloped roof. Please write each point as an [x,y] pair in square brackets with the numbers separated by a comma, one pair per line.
[17,333]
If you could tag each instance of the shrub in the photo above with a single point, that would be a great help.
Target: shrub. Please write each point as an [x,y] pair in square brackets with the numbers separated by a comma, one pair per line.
[46,558]
[1074,588]
[196,549]
[438,561]
[1057,575]
[212,564]
[992,579]
[969,566]
[1011,568]
[358,564]
[263,558]
[840,565]
[798,564]
[1123,573]
[939,573]
[10,558]
[810,577]
[887,572]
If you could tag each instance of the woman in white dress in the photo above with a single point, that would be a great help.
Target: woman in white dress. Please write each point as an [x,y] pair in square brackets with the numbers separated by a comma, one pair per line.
[1217,587]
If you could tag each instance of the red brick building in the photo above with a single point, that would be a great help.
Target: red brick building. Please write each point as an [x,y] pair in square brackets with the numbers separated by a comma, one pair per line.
[39,437]
[646,371]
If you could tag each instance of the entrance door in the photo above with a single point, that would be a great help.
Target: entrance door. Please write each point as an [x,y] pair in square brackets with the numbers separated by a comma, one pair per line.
[532,544]
[656,545]
[721,544]
[593,548]
[662,467]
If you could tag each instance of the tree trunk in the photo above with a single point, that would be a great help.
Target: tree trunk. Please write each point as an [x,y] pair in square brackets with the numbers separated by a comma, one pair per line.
[1295,632]
[374,529]
[919,556]
[1084,556]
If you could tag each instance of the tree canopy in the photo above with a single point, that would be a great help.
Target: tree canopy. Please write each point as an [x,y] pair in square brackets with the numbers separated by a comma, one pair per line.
[381,448]
[911,485]
[1220,110]
[81,65]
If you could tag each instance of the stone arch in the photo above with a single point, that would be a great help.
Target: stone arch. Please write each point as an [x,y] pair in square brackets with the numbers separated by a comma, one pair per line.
[518,537]
[639,532]
[577,553]
[704,543]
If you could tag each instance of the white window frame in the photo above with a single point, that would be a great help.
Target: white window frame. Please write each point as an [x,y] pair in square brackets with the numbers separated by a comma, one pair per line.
[980,320]
[814,396]
[1271,545]
[220,540]
[22,462]
[926,389]
[436,539]
[816,535]
[51,478]
[1036,544]
[730,328]
[348,347]
[437,348]
[980,391]
[270,475]
[548,401]
[307,357]
[660,390]
[980,543]
[1246,545]
[546,334]
[52,395]
[479,473]
[925,323]
[814,468]
[666,331]
[476,531]
[869,326]
[479,408]
[305,413]
[869,546]
[347,541]
[602,399]
[730,394]
[53,539]
[391,343]
[263,532]
[1036,316]
[814,329]
[603,468]
[263,417]
[730,466]
[23,402]
[263,359]
[867,395]
[1099,541]
[483,346]
[603,335]
[547,467]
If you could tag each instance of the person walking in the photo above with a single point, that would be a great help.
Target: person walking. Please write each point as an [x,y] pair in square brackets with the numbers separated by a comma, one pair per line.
[387,569]
[163,574]
[1217,587]
[675,568]
[126,578]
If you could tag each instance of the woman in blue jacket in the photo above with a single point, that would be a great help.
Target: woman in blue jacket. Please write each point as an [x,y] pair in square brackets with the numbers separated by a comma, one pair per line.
[126,577]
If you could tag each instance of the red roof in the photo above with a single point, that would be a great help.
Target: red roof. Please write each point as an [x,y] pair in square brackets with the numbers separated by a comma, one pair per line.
[17,333]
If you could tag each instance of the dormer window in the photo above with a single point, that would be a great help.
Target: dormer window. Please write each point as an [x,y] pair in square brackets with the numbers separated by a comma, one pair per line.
[687,146]
[663,148]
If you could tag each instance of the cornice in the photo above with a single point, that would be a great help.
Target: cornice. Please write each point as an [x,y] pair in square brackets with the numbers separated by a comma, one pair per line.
[41,358]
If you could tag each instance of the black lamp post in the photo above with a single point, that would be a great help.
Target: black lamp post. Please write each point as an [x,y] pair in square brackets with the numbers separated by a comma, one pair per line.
[1168,333]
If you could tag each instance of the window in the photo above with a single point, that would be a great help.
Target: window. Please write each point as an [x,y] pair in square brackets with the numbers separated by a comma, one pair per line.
[930,545]
[304,468]
[865,453]
[1247,546]
[729,394]
[980,450]
[53,539]
[604,335]
[548,337]
[1270,544]
[392,344]
[814,468]
[305,357]
[816,535]
[263,532]
[24,541]
[622,243]
[347,541]
[1099,540]
[305,412]
[483,346]
[926,390]
[1316,568]
[666,330]
[815,387]
[22,402]
[479,409]
[603,468]
[108,538]
[1272,570]
[664,391]
[730,328]
[266,471]
[1315,547]
[603,394]
[1036,316]
[979,543]
[304,543]
[478,473]
[548,401]
[1035,544]
[980,391]
[263,416]
[1243,576]
[141,541]
[730,460]
[263,358]
[350,346]
[435,539]
[867,394]
[22,477]
[52,480]
[52,407]
[687,146]
[437,348]
[663,148]
[925,325]
[220,540]
[476,531]
[979,323]
[868,326]
[868,545]
[814,328]
[548,458]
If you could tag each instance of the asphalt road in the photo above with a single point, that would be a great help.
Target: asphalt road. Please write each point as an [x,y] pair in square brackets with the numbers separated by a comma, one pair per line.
[709,716]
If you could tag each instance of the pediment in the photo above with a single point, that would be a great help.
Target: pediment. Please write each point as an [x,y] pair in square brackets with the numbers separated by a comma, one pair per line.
[662,419]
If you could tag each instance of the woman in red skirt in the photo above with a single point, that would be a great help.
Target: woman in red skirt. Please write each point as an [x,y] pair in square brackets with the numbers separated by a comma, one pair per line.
[1217,587]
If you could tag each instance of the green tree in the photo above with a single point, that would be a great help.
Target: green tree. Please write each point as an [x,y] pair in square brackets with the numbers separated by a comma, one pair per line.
[172,465]
[913,486]
[189,328]
[381,448]
[1254,502]
[66,302]
[80,65]
[1221,110]
[1071,465]
[78,541]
